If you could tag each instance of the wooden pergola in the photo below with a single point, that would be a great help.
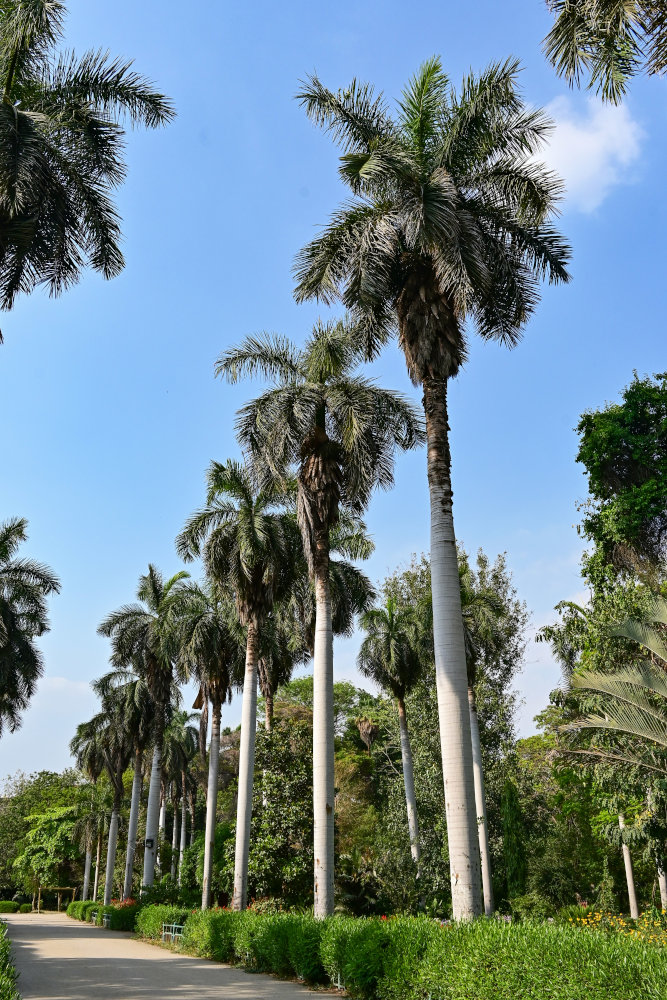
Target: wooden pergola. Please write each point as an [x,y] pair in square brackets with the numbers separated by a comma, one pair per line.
[60,889]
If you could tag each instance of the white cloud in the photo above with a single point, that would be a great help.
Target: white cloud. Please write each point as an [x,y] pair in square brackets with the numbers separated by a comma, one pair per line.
[593,150]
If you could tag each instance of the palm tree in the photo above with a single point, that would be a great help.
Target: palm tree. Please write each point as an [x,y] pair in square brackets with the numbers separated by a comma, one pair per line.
[103,744]
[141,638]
[180,746]
[342,430]
[247,539]
[24,586]
[449,221]
[611,41]
[390,657]
[210,652]
[61,151]
[132,688]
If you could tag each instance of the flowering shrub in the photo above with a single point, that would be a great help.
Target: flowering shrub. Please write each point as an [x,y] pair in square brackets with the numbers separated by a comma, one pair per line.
[651,927]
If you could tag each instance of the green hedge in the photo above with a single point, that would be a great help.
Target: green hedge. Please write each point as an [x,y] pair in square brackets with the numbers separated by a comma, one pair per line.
[150,919]
[8,906]
[8,989]
[81,910]
[123,918]
[415,958]
[25,908]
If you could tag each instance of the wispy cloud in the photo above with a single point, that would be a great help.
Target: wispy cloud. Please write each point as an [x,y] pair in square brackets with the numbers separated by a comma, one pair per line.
[593,149]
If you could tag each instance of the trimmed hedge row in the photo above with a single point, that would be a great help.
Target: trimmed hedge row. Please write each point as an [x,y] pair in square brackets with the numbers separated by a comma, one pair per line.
[122,918]
[81,910]
[8,906]
[8,989]
[414,958]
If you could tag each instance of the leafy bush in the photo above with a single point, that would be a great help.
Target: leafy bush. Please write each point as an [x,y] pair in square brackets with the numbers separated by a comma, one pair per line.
[353,951]
[304,948]
[25,908]
[491,960]
[261,942]
[149,919]
[122,915]
[532,906]
[8,989]
[408,941]
[210,933]
[8,906]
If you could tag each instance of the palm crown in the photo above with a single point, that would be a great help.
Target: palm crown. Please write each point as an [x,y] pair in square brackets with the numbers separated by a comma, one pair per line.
[24,586]
[389,654]
[320,413]
[61,151]
[449,216]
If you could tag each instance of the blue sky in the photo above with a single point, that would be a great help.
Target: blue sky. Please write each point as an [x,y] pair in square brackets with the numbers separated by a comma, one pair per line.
[108,406]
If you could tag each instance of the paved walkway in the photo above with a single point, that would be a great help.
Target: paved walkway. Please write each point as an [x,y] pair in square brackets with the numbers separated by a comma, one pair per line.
[62,959]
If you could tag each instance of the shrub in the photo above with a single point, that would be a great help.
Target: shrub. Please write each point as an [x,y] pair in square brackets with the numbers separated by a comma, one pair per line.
[8,989]
[352,950]
[122,915]
[25,908]
[303,946]
[261,942]
[491,960]
[8,906]
[408,941]
[149,919]
[531,906]
[210,933]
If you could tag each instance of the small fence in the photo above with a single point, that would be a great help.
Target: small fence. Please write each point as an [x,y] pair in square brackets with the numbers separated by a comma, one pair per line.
[172,933]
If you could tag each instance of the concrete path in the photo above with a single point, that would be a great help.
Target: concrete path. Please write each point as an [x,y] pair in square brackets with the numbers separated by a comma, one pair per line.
[62,959]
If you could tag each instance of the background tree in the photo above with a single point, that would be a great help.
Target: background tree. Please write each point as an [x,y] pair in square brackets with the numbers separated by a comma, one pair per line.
[247,540]
[449,222]
[24,586]
[607,41]
[141,638]
[390,657]
[61,151]
[340,431]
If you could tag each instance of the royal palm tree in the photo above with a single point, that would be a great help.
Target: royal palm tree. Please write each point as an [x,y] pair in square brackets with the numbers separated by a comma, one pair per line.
[24,586]
[449,222]
[103,744]
[247,539]
[211,652]
[181,738]
[389,656]
[142,639]
[341,431]
[607,40]
[62,150]
[132,688]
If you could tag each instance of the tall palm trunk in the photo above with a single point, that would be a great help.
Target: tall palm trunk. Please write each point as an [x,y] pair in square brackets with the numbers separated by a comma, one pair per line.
[193,807]
[211,805]
[152,815]
[450,664]
[246,769]
[662,883]
[629,875]
[98,858]
[174,835]
[133,824]
[480,806]
[86,872]
[184,817]
[409,783]
[112,844]
[268,711]
[323,744]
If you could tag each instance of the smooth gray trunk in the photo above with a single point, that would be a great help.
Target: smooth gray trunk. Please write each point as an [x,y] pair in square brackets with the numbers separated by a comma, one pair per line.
[211,806]
[152,818]
[132,826]
[174,838]
[629,875]
[480,806]
[246,771]
[409,783]
[323,748]
[111,856]
[450,665]
[184,824]
[193,806]
[98,858]
[662,883]
[86,873]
